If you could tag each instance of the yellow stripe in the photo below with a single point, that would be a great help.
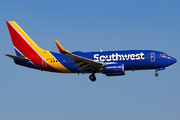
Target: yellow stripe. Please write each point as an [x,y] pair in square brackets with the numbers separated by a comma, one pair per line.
[43,53]
[48,57]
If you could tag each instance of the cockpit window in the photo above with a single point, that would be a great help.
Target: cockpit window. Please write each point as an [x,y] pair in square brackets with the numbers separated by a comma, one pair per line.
[163,55]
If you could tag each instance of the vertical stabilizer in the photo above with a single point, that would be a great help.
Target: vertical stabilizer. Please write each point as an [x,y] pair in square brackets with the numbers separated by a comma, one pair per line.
[23,44]
[28,51]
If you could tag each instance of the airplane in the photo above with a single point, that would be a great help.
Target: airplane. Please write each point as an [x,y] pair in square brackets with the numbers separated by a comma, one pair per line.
[110,63]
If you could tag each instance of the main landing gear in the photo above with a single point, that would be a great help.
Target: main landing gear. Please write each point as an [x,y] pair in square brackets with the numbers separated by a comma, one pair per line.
[92,77]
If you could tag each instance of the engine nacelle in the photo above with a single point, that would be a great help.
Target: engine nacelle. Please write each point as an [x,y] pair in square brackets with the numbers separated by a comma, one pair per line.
[113,69]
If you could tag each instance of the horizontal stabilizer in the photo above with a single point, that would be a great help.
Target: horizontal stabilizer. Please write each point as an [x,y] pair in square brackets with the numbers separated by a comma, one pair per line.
[18,58]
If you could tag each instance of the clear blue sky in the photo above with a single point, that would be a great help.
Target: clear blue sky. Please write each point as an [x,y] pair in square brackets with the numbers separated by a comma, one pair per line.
[27,94]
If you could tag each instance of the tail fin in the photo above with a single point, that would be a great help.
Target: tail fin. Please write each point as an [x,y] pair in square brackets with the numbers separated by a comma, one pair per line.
[28,53]
[23,44]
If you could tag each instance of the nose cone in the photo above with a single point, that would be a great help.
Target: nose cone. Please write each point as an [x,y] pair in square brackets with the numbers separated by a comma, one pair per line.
[172,60]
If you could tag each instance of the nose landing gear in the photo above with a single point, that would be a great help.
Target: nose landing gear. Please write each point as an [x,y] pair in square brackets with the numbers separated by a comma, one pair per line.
[158,69]
[156,74]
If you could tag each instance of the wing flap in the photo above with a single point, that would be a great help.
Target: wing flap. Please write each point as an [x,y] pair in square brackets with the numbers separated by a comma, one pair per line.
[78,64]
[83,66]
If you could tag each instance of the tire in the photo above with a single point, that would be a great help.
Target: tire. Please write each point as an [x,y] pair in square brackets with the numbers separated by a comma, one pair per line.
[156,74]
[92,78]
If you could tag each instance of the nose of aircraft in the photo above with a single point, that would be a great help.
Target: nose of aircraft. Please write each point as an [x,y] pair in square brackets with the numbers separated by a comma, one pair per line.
[172,60]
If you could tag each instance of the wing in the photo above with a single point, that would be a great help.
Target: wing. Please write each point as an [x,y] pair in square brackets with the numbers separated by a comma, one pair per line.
[82,62]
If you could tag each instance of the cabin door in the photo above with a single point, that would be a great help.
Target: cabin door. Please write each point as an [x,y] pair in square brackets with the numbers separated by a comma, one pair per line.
[152,57]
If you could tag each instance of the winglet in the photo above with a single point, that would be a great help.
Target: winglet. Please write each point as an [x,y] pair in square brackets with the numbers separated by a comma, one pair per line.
[61,49]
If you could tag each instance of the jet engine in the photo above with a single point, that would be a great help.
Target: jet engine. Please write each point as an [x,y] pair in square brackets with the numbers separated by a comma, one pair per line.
[113,69]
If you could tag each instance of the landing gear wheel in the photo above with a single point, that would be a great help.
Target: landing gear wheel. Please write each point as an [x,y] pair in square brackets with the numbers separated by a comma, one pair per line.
[92,78]
[156,74]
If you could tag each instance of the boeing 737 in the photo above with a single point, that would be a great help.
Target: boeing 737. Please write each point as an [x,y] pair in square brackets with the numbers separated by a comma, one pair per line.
[110,63]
